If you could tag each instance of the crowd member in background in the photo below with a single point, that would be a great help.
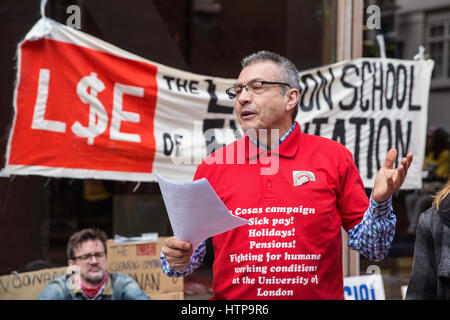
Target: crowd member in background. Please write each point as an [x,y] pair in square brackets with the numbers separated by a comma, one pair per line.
[86,252]
[430,277]
[436,170]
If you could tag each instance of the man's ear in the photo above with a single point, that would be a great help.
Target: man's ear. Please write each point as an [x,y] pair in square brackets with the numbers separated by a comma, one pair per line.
[293,96]
[70,262]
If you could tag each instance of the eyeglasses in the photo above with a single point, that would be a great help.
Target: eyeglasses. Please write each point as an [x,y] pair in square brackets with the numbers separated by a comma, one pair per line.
[253,87]
[88,256]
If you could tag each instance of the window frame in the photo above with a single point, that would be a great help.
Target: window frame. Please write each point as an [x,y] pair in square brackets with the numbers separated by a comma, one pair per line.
[433,20]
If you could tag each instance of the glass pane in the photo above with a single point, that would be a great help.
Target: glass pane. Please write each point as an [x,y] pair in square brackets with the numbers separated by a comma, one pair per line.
[217,42]
[436,53]
[436,31]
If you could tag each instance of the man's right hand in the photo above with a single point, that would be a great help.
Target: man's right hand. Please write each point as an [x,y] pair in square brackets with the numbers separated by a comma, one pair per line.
[178,253]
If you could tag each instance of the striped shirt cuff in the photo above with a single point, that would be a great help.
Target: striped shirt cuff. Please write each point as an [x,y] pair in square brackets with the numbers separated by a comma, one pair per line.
[194,264]
[374,235]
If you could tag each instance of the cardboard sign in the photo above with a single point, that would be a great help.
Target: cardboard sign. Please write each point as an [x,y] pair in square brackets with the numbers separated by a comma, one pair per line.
[141,262]
[27,285]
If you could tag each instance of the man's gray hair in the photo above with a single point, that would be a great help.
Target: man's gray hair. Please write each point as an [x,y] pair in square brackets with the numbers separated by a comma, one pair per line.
[289,72]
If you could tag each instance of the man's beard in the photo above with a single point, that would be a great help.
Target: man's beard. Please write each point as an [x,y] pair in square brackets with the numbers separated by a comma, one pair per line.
[95,278]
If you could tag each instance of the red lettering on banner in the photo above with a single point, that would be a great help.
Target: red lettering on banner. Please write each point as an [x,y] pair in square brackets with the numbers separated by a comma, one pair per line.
[146,249]
[78,108]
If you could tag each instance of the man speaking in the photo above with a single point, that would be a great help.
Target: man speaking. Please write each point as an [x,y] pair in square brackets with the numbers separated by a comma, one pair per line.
[292,247]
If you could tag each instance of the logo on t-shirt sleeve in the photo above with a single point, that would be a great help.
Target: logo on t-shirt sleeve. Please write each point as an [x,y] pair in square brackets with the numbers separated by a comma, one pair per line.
[302,177]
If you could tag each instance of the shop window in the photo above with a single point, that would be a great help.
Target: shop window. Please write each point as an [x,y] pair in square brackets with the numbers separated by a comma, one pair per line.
[438,45]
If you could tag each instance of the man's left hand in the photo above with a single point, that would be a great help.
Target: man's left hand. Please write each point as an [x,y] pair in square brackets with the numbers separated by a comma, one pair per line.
[389,180]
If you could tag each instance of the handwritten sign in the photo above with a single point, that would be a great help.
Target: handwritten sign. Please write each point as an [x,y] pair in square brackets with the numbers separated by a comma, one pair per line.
[27,285]
[141,262]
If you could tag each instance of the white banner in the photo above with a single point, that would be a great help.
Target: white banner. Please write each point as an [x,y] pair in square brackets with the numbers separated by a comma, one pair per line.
[92,110]
[370,106]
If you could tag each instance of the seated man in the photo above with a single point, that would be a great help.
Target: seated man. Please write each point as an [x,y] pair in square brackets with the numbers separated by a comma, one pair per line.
[87,278]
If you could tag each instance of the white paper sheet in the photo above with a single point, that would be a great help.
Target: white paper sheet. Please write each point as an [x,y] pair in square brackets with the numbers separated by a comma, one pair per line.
[195,211]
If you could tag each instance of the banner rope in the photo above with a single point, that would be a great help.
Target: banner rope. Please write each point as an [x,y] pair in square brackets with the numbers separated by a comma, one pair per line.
[43,3]
[380,40]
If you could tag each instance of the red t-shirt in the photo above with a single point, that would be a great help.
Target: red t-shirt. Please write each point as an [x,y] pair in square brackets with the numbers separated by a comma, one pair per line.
[292,249]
